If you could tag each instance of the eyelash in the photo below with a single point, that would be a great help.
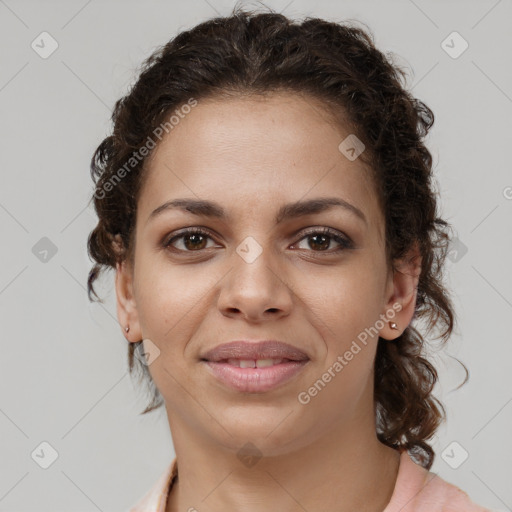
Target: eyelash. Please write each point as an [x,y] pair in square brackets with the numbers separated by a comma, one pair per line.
[344,242]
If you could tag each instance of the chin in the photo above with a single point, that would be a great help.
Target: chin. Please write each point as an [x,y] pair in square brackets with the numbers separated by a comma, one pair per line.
[266,434]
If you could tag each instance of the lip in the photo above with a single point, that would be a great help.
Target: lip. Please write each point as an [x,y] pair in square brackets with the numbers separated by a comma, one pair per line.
[255,380]
[268,349]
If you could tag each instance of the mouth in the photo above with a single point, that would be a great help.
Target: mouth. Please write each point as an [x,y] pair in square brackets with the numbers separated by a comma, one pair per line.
[254,367]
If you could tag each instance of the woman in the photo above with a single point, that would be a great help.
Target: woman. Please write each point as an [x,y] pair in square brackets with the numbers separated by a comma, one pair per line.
[266,200]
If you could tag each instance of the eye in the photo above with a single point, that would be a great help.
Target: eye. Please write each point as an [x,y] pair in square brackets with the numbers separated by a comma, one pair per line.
[196,239]
[320,240]
[193,240]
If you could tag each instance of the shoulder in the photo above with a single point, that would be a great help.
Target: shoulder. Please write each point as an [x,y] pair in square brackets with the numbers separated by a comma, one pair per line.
[445,497]
[420,490]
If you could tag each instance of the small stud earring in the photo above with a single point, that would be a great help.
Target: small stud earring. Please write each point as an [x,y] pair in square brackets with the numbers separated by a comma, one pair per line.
[393,325]
[127,328]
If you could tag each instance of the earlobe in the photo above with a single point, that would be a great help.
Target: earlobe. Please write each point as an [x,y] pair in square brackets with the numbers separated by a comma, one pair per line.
[401,302]
[126,307]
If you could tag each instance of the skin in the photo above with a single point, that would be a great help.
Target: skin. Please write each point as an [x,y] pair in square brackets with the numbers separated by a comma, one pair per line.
[252,155]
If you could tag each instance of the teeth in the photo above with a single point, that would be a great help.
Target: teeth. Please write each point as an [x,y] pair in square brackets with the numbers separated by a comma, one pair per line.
[251,363]
[263,363]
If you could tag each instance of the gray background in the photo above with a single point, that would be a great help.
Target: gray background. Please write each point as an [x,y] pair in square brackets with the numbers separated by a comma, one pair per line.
[64,369]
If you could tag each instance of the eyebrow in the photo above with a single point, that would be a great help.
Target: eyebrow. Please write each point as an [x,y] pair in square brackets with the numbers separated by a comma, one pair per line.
[205,208]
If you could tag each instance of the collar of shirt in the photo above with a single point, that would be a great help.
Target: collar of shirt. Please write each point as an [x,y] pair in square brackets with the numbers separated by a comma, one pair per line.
[155,500]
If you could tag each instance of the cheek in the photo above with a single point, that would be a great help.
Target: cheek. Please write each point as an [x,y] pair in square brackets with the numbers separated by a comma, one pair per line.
[345,301]
[167,295]
[168,305]
[341,313]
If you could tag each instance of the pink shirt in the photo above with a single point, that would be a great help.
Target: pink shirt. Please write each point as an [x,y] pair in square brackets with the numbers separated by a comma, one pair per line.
[416,490]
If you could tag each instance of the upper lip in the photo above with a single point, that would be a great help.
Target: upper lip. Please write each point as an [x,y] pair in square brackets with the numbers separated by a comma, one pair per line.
[247,350]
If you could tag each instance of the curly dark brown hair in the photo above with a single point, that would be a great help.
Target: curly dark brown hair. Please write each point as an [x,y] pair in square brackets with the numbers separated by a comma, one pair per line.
[250,53]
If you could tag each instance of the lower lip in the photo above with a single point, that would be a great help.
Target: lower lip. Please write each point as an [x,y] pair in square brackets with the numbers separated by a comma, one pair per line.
[255,380]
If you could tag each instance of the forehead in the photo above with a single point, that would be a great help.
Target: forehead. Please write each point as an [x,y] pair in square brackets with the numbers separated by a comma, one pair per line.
[281,147]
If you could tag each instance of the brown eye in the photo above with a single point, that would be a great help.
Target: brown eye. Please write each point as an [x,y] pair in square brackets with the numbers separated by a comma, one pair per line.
[320,242]
[321,239]
[192,240]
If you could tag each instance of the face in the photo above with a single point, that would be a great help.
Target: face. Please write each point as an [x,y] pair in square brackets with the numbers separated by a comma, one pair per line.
[248,277]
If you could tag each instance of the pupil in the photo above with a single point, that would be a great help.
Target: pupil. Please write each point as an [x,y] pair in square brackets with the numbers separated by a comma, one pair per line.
[320,236]
[194,238]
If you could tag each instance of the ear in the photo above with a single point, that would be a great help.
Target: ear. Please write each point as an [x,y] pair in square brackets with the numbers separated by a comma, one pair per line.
[401,293]
[126,307]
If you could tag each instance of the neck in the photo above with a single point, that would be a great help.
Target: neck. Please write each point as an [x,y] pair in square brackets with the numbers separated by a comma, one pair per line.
[343,470]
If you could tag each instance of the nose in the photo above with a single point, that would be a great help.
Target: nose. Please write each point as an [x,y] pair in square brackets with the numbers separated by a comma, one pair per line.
[255,290]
